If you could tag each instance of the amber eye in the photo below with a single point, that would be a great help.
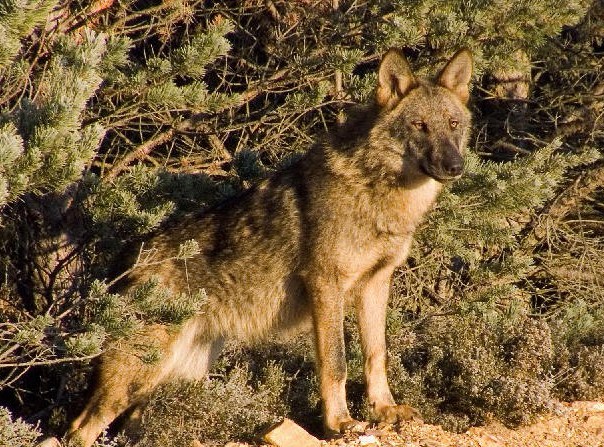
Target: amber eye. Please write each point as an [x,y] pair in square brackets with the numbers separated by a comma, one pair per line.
[453,124]
[420,125]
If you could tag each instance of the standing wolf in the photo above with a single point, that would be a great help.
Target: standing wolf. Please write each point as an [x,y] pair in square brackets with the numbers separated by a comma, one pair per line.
[298,247]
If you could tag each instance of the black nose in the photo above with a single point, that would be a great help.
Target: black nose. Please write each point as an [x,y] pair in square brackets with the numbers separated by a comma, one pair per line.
[453,166]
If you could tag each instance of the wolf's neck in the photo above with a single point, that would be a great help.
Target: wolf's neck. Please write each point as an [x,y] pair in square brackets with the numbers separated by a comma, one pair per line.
[418,197]
[403,208]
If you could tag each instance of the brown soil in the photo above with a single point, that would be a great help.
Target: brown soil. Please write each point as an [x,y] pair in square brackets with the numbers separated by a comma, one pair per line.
[580,424]
[577,424]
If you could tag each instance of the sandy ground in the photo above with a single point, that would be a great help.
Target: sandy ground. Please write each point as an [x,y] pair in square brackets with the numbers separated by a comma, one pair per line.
[577,424]
[580,424]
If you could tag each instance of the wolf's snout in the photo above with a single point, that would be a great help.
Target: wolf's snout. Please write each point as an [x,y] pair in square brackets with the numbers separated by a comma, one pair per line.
[453,167]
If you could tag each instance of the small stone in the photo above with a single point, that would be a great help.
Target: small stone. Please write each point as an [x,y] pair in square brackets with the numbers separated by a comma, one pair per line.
[597,406]
[49,442]
[375,432]
[595,422]
[195,443]
[289,434]
[588,406]
[368,440]
[483,438]
[430,443]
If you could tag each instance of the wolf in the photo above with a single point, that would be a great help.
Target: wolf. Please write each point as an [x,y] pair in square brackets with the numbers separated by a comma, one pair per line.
[296,249]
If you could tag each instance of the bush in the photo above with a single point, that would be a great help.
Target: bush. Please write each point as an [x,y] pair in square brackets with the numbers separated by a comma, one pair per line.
[215,411]
[118,117]
[16,432]
[466,369]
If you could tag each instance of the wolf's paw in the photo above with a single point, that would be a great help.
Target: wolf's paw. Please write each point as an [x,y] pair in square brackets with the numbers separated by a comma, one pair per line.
[353,426]
[396,413]
[348,425]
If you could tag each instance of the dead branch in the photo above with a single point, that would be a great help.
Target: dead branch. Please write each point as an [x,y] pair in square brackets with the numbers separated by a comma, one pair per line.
[583,186]
[193,123]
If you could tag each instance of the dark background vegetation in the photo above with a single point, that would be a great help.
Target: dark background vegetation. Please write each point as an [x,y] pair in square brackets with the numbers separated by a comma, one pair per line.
[118,117]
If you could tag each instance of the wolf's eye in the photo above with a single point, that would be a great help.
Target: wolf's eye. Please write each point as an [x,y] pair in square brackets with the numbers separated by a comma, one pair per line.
[453,124]
[420,125]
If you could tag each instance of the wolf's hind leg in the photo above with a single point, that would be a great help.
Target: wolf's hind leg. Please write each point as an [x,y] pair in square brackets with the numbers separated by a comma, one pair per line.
[125,380]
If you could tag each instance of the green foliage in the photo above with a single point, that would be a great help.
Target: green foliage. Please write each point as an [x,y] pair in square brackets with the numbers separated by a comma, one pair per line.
[13,181]
[115,121]
[121,315]
[129,206]
[16,432]
[474,214]
[465,368]
[493,30]
[33,331]
[17,20]
[58,146]
[181,412]
[191,59]
[578,329]
[87,344]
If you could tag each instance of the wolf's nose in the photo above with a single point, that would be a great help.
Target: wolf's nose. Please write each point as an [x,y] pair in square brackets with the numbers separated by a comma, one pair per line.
[453,168]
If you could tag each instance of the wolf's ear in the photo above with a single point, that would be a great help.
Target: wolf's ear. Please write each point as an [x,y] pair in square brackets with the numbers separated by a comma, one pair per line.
[457,74]
[394,78]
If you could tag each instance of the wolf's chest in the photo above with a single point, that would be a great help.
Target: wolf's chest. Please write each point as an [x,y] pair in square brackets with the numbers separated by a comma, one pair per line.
[400,211]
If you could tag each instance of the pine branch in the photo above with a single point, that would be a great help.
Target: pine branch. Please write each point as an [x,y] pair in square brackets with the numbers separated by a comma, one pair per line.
[335,4]
[583,186]
[140,152]
[187,125]
[89,17]
[47,361]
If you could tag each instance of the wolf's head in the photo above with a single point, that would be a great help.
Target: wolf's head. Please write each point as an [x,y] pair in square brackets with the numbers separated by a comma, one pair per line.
[423,126]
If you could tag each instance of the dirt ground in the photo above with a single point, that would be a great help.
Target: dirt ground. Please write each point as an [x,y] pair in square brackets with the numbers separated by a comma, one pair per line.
[577,424]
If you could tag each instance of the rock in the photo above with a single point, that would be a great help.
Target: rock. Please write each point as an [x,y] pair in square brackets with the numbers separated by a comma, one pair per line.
[368,440]
[195,443]
[595,423]
[49,442]
[483,438]
[430,443]
[375,432]
[589,406]
[289,434]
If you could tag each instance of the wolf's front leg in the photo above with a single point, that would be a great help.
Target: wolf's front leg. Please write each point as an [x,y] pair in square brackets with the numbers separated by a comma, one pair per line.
[372,304]
[328,319]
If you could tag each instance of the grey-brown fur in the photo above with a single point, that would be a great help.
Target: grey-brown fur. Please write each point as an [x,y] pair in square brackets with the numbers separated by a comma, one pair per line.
[295,249]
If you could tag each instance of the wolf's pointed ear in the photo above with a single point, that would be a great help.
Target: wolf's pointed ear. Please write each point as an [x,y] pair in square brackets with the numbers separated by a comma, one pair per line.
[457,73]
[394,78]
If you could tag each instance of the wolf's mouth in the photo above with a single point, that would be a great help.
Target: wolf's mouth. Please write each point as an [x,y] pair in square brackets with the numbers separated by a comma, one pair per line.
[441,177]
